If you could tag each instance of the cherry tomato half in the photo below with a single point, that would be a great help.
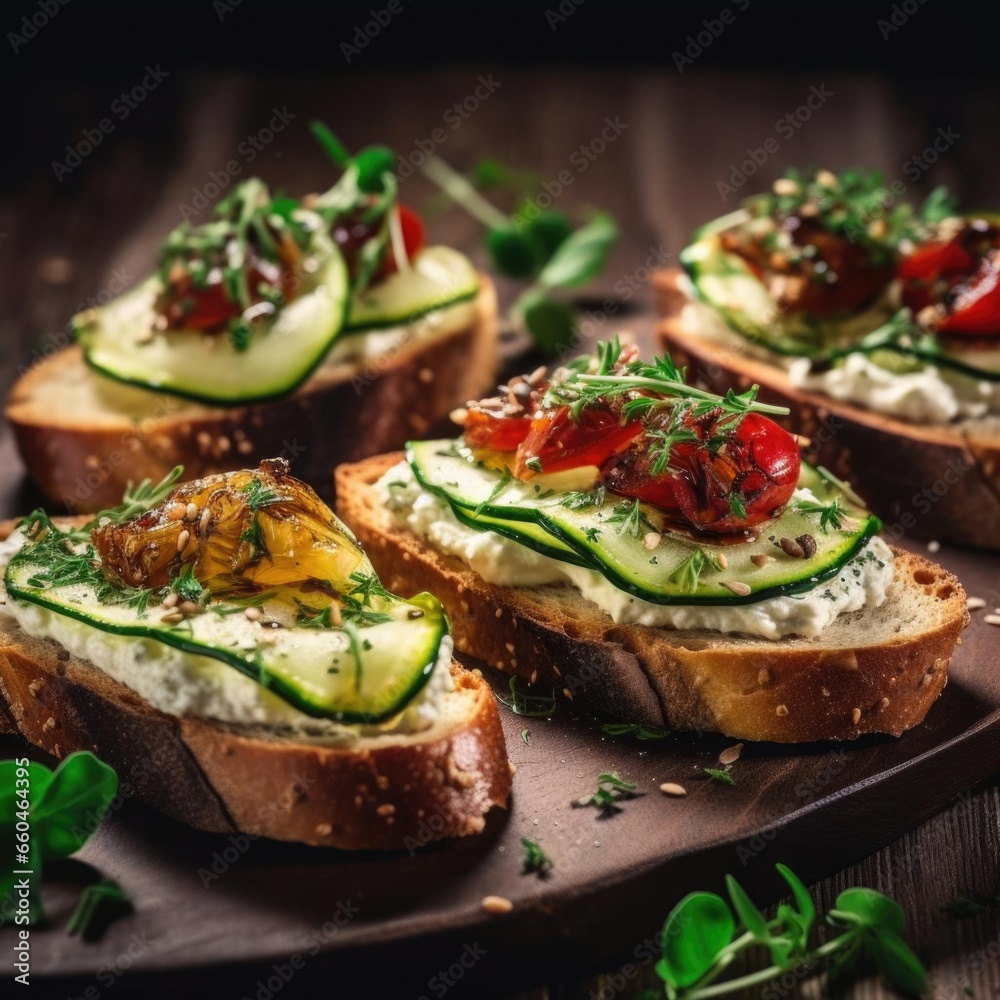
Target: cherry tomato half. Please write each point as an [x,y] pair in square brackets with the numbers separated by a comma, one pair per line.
[558,442]
[484,430]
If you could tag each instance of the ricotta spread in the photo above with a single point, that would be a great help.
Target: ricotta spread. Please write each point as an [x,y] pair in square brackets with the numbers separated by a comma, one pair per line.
[928,396]
[864,582]
[191,685]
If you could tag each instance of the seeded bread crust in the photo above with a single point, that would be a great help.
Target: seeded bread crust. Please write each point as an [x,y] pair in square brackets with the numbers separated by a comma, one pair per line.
[389,793]
[925,481]
[877,670]
[82,452]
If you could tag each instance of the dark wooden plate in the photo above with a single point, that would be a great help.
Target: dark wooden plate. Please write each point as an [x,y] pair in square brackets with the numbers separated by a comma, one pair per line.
[248,911]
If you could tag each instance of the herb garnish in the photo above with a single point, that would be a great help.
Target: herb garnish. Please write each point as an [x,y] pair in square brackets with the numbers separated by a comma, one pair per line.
[723,775]
[687,573]
[611,789]
[535,859]
[533,706]
[636,729]
[630,519]
[574,500]
[506,478]
[831,515]
[700,941]
[63,808]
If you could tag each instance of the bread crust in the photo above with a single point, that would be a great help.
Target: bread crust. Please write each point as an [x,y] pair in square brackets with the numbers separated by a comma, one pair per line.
[341,414]
[390,793]
[757,689]
[924,481]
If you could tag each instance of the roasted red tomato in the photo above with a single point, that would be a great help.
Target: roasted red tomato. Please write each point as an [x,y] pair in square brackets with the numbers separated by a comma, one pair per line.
[715,489]
[210,308]
[837,276]
[558,442]
[960,277]
[351,231]
[486,429]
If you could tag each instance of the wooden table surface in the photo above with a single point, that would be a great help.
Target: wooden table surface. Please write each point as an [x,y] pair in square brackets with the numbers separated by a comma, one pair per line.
[669,141]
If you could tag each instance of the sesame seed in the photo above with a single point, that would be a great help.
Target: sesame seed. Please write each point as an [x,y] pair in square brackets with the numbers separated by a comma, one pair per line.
[992,619]
[170,600]
[785,186]
[761,559]
[497,904]
[568,694]
[190,608]
[182,539]
[252,614]
[499,612]
[206,517]
[534,677]
[176,513]
[386,809]
[672,788]
[884,704]
[191,512]
[651,539]
[975,603]
[856,716]
[740,589]
[731,754]
[781,711]
[722,560]
[933,546]
[323,829]
[173,618]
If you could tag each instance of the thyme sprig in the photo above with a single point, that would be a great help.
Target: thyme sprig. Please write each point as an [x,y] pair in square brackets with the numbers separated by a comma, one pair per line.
[831,515]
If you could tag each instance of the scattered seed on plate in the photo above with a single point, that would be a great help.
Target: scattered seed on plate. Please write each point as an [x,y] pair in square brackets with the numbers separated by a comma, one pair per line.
[672,788]
[497,904]
[731,754]
[975,603]
[992,619]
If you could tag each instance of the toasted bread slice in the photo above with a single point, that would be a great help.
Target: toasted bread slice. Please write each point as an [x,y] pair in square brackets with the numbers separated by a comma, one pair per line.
[876,670]
[940,482]
[382,793]
[84,436]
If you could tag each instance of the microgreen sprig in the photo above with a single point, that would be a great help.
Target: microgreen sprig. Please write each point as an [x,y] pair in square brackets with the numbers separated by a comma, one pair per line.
[703,936]
[611,789]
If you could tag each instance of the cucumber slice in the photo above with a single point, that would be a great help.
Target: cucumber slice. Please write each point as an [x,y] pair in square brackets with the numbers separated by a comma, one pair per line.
[438,277]
[616,549]
[726,282]
[119,341]
[326,673]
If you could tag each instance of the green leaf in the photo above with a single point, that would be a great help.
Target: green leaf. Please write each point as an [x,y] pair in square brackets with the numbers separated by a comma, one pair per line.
[332,146]
[637,729]
[897,963]
[723,775]
[871,909]
[550,230]
[551,323]
[582,255]
[489,173]
[753,920]
[698,928]
[73,805]
[514,254]
[373,163]
[803,899]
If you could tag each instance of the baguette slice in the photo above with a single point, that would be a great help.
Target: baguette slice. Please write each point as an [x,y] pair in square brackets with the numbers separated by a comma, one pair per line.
[386,793]
[924,481]
[83,437]
[875,670]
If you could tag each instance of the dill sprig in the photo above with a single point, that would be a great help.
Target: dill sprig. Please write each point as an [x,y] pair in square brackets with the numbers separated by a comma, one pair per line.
[687,573]
[831,515]
[630,519]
